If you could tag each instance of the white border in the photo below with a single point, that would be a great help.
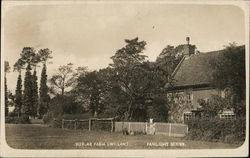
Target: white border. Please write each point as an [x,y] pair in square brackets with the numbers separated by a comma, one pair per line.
[241,151]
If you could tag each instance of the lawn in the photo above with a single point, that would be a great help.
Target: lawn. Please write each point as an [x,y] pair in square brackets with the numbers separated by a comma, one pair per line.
[42,137]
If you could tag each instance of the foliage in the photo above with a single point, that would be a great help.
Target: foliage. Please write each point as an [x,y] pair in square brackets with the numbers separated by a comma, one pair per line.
[169,58]
[43,91]
[177,103]
[28,56]
[6,70]
[63,78]
[90,86]
[35,93]
[6,103]
[60,105]
[126,64]
[45,55]
[19,65]
[24,119]
[214,105]
[18,96]
[229,72]
[158,110]
[28,107]
[6,67]
[131,54]
[208,129]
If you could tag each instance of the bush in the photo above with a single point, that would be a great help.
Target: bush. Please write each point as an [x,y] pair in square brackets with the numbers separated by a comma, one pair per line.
[228,131]
[48,117]
[24,119]
[76,116]
[12,114]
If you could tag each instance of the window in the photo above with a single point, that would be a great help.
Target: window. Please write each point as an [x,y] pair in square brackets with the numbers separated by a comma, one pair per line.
[227,116]
[225,93]
[188,116]
[189,94]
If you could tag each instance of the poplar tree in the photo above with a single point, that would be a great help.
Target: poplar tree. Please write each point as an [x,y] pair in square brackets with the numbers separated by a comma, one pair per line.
[43,91]
[28,95]
[18,97]
[18,100]
[35,94]
[6,70]
[28,56]
[45,55]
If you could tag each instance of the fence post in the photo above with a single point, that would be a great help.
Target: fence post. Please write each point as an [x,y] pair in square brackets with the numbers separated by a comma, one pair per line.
[75,123]
[62,123]
[89,124]
[169,134]
[129,127]
[112,125]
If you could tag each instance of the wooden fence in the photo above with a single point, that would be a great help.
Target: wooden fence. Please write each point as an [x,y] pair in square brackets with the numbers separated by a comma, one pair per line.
[170,129]
[90,124]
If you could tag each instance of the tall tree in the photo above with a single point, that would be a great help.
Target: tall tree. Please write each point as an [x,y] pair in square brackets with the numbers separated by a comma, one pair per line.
[35,61]
[126,62]
[18,101]
[28,56]
[6,70]
[19,96]
[45,55]
[43,91]
[35,93]
[90,86]
[28,107]
[229,72]
[63,79]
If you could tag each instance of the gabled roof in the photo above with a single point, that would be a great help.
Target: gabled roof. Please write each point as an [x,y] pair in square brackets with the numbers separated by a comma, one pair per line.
[195,70]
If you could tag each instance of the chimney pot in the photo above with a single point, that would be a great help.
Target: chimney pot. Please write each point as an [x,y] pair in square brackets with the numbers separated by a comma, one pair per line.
[187,39]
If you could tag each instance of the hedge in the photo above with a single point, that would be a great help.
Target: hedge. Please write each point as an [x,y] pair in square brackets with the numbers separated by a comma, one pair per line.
[24,119]
[217,130]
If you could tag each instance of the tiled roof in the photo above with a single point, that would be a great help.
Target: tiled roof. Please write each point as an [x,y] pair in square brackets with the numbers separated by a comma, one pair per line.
[195,70]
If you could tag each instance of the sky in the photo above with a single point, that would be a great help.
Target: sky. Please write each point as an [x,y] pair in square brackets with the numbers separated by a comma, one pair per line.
[89,34]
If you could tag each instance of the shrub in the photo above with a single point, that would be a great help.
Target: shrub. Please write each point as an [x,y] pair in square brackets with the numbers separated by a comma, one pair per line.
[12,114]
[228,131]
[48,117]
[24,119]
[76,116]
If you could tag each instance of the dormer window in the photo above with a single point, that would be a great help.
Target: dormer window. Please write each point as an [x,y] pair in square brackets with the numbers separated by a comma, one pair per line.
[189,94]
[225,93]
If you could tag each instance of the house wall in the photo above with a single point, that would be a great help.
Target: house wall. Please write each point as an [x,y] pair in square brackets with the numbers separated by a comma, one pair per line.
[203,94]
[187,101]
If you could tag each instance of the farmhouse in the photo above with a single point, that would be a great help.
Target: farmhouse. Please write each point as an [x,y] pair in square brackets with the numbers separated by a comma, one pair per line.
[192,80]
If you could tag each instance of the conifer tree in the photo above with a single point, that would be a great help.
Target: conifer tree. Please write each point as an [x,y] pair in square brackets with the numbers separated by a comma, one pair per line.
[35,94]
[43,91]
[28,95]
[18,96]
[45,55]
[6,70]
[18,100]
[6,97]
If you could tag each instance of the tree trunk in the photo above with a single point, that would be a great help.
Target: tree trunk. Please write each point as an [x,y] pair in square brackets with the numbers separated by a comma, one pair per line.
[63,91]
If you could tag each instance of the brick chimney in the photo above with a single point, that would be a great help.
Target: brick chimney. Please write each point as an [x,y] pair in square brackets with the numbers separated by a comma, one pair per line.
[188,48]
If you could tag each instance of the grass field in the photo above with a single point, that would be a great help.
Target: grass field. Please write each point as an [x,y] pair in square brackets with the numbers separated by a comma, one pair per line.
[43,137]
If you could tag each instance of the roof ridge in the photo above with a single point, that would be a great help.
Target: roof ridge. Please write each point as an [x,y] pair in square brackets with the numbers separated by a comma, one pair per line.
[178,66]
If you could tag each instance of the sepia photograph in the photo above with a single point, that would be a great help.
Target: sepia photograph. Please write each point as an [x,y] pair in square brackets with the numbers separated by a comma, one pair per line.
[124,78]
